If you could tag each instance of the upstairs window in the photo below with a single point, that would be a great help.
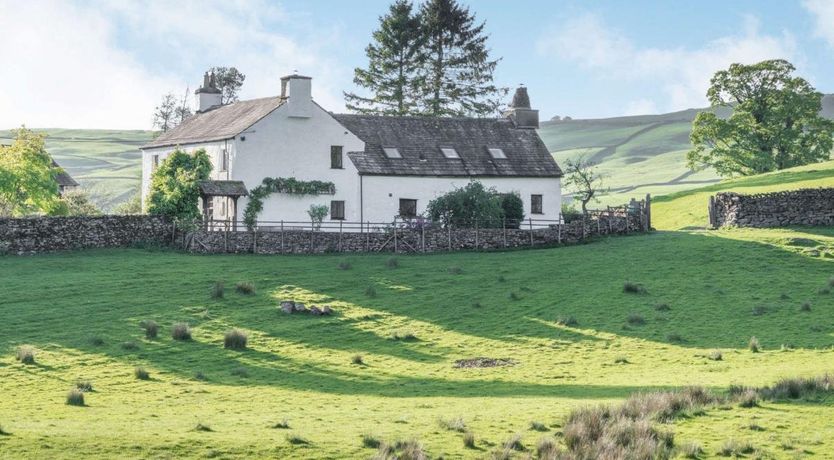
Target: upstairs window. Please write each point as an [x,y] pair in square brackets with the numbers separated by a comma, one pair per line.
[336,157]
[224,160]
[408,207]
[449,152]
[392,152]
[497,153]
[337,210]
[536,204]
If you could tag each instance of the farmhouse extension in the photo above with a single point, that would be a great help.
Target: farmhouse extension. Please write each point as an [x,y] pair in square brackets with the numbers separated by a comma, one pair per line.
[382,166]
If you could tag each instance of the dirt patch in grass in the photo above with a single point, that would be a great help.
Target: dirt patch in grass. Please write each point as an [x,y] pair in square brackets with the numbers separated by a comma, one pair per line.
[484,362]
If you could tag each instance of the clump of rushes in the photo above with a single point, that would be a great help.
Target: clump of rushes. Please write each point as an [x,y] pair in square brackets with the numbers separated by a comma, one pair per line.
[284,424]
[469,440]
[674,337]
[75,397]
[245,288]
[141,374]
[358,360]
[636,319]
[753,345]
[235,339]
[296,440]
[806,306]
[403,335]
[633,288]
[392,262]
[370,441]
[217,290]
[538,426]
[453,424]
[130,346]
[514,296]
[181,331]
[150,327]
[25,354]
[691,449]
[370,291]
[203,427]
[620,360]
[662,307]
[568,321]
[96,341]
[84,385]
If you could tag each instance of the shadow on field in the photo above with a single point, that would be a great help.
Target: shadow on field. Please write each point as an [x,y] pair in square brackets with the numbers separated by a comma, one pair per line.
[695,290]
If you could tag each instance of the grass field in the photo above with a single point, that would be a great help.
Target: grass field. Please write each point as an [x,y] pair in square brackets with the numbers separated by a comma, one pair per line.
[81,311]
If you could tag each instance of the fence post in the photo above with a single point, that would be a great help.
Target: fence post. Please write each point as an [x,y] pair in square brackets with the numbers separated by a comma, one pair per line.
[395,234]
[340,236]
[610,221]
[648,212]
[711,211]
[423,235]
[530,219]
[504,226]
[282,236]
[368,238]
[476,234]
[254,240]
[226,238]
[559,232]
[312,236]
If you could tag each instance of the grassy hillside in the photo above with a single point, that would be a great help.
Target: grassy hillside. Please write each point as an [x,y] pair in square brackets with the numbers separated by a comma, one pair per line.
[688,209]
[719,288]
[106,163]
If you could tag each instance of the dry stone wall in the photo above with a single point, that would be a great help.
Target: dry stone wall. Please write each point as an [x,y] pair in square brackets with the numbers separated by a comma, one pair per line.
[780,209]
[46,234]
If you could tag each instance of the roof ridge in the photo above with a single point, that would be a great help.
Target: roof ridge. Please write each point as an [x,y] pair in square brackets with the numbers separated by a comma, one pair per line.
[417,117]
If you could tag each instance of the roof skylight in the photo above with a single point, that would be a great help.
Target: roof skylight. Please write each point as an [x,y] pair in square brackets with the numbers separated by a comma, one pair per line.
[449,152]
[392,152]
[497,153]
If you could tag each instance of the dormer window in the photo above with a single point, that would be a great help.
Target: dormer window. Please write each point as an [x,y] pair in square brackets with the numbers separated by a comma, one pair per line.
[392,152]
[449,152]
[497,153]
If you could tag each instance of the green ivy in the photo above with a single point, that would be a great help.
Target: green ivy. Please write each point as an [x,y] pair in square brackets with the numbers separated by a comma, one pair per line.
[289,185]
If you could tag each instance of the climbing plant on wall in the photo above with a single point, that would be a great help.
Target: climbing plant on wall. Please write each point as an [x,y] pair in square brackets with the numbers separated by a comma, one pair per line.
[288,185]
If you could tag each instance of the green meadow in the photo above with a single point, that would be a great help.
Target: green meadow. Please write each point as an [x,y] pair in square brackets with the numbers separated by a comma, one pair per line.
[383,368]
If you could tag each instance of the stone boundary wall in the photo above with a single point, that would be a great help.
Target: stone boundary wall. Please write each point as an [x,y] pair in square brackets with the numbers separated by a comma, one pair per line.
[779,209]
[404,240]
[45,234]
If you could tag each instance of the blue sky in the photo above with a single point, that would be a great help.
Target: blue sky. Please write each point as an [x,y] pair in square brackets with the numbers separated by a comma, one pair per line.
[105,64]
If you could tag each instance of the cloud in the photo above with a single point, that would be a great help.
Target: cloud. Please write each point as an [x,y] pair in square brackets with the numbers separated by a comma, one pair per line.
[823,14]
[681,74]
[107,64]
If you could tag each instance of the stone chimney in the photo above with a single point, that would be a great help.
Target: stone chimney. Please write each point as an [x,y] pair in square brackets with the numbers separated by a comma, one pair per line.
[520,112]
[295,89]
[208,95]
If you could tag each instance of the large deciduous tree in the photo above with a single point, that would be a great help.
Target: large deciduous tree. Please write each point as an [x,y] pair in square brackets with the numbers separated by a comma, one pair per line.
[458,72]
[175,185]
[229,80]
[28,182]
[775,123]
[394,60]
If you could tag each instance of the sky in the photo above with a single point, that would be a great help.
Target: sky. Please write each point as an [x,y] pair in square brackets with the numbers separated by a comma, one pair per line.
[106,64]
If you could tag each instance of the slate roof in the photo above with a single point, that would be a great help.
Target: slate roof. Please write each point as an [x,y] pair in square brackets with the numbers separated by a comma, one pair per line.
[217,123]
[223,188]
[419,140]
[63,178]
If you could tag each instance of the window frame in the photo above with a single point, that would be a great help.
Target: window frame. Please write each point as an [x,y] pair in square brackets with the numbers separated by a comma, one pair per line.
[337,151]
[533,198]
[443,150]
[385,151]
[412,202]
[334,205]
[502,153]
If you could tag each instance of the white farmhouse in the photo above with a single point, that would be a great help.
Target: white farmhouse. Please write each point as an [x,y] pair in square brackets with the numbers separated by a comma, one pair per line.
[381,166]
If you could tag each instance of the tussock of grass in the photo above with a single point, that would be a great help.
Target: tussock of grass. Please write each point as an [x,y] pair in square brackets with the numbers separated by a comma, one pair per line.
[452,424]
[469,440]
[345,265]
[734,448]
[514,296]
[662,307]
[691,449]
[630,287]
[181,331]
[245,288]
[150,327]
[674,337]
[748,398]
[75,397]
[715,355]
[141,374]
[538,426]
[568,321]
[84,385]
[636,319]
[621,360]
[203,428]
[514,443]
[806,307]
[217,290]
[455,270]
[282,425]
[371,441]
[370,291]
[392,262]
[410,449]
[297,440]
[130,346]
[240,372]
[96,341]
[235,339]
[759,310]
[403,335]
[799,387]
[25,354]
[357,360]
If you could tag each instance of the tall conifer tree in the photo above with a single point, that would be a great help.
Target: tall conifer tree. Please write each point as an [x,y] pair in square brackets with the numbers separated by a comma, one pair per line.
[394,59]
[457,75]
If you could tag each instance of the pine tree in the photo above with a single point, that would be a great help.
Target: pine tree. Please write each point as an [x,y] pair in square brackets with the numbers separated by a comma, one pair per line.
[457,76]
[394,60]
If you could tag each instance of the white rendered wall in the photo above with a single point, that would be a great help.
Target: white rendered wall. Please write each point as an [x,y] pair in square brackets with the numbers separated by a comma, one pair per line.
[382,193]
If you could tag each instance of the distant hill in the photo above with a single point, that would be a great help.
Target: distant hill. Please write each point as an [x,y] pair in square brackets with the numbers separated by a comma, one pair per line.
[106,163]
[638,154]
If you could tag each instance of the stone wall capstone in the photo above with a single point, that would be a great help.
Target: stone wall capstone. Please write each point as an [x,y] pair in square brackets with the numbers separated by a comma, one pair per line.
[779,209]
[45,234]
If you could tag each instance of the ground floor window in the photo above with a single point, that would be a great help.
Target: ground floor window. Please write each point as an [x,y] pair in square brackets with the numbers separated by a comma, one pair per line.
[536,204]
[337,210]
[408,207]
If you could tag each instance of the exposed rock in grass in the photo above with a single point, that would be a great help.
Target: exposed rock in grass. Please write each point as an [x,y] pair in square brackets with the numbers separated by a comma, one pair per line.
[315,311]
[300,308]
[288,306]
[715,355]
[482,362]
[326,311]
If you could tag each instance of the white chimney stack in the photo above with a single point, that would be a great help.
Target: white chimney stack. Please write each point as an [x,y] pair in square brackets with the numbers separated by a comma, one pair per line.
[208,95]
[295,89]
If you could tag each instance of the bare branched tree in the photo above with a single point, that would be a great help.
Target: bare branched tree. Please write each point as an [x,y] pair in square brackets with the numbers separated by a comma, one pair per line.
[582,174]
[165,114]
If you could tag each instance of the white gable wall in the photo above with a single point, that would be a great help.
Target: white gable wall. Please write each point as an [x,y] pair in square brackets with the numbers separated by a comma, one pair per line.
[382,194]
[280,145]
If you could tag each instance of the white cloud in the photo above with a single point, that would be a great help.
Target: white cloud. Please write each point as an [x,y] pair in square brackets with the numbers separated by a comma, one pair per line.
[823,14]
[681,74]
[106,65]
